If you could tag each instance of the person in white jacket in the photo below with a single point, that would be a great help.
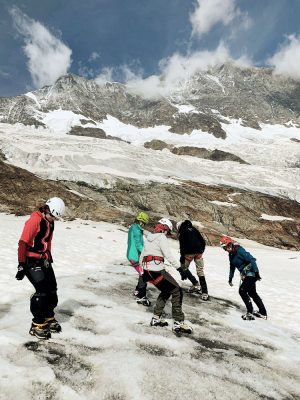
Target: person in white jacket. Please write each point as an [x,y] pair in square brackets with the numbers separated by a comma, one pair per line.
[155,252]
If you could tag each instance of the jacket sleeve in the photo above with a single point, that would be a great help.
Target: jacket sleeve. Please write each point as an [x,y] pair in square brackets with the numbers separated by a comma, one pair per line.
[201,240]
[31,229]
[138,239]
[231,273]
[167,253]
[249,259]
[181,247]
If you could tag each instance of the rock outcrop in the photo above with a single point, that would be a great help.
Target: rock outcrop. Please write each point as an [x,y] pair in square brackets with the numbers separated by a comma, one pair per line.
[218,209]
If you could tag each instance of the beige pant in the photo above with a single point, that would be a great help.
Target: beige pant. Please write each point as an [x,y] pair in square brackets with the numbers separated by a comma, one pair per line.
[198,261]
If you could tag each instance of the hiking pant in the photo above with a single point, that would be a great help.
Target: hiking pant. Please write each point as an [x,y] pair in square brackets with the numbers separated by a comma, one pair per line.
[188,258]
[141,286]
[247,291]
[168,288]
[44,300]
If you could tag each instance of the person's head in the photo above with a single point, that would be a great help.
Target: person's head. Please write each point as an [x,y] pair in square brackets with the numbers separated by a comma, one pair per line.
[142,218]
[226,243]
[184,225]
[54,208]
[164,225]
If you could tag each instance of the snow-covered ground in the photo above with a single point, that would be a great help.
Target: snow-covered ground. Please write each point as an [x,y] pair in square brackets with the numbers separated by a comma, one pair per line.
[107,349]
[51,153]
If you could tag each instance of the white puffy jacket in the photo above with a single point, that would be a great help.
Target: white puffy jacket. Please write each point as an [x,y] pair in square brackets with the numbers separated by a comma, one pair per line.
[156,244]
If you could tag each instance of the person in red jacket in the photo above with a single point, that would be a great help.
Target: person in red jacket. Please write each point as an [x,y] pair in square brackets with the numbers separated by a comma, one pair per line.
[35,262]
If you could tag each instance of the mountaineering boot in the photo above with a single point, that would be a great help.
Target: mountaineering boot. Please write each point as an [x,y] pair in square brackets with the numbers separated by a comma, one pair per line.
[144,301]
[158,321]
[41,331]
[259,315]
[181,327]
[248,317]
[204,296]
[195,289]
[53,325]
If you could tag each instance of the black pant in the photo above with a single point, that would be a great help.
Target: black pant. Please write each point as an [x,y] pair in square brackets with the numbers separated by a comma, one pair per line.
[168,288]
[44,300]
[247,291]
[141,287]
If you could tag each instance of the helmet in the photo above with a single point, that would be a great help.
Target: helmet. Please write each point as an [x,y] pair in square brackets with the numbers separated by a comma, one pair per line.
[56,206]
[178,225]
[167,222]
[225,241]
[143,217]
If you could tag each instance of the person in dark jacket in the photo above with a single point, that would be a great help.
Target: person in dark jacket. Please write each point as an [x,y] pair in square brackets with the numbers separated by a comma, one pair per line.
[192,246]
[245,263]
[35,262]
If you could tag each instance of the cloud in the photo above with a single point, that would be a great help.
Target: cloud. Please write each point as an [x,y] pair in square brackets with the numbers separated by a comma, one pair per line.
[94,56]
[106,75]
[175,69]
[211,12]
[48,57]
[286,61]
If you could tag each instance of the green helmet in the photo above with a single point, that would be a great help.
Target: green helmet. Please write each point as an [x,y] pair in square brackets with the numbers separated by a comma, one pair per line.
[143,217]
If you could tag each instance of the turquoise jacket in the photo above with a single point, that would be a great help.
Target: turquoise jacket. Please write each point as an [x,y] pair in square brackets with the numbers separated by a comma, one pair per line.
[135,242]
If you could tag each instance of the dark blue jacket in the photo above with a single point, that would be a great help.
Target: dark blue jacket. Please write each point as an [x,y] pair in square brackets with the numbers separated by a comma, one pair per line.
[240,259]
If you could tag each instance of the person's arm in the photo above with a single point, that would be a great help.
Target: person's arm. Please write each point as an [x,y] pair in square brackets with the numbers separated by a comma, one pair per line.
[167,253]
[201,240]
[31,228]
[231,274]
[138,239]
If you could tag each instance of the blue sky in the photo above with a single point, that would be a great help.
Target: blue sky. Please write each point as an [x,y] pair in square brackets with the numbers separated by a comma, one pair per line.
[139,40]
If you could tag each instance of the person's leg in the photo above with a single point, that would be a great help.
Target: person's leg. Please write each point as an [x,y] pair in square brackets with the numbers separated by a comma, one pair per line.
[36,275]
[200,272]
[243,291]
[257,300]
[172,288]
[187,261]
[141,287]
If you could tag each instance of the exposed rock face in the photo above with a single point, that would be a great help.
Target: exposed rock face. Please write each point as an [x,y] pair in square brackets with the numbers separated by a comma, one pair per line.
[157,145]
[91,132]
[251,94]
[218,209]
[214,155]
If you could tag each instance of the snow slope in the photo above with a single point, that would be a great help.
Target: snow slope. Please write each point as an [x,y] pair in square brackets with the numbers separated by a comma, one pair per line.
[107,349]
[50,153]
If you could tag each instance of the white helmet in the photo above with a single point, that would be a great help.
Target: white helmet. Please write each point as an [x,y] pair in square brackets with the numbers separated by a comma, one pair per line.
[56,206]
[178,225]
[166,221]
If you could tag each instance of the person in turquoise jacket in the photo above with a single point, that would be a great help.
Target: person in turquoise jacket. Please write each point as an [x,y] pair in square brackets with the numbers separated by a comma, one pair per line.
[245,263]
[135,245]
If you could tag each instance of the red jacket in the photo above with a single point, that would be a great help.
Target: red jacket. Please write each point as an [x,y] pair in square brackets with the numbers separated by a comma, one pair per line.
[36,238]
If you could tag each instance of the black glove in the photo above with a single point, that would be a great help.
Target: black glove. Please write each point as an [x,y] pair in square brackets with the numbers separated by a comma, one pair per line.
[183,273]
[21,271]
[257,276]
[230,282]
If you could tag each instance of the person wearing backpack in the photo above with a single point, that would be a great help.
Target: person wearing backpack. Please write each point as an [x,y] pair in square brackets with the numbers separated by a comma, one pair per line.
[192,246]
[155,254]
[245,263]
[35,262]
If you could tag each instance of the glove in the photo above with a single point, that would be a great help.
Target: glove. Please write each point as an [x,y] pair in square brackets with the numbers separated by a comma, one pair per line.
[257,276]
[183,273]
[21,271]
[230,282]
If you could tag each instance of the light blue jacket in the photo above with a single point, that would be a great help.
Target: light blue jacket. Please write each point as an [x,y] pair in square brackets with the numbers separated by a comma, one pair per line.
[135,242]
